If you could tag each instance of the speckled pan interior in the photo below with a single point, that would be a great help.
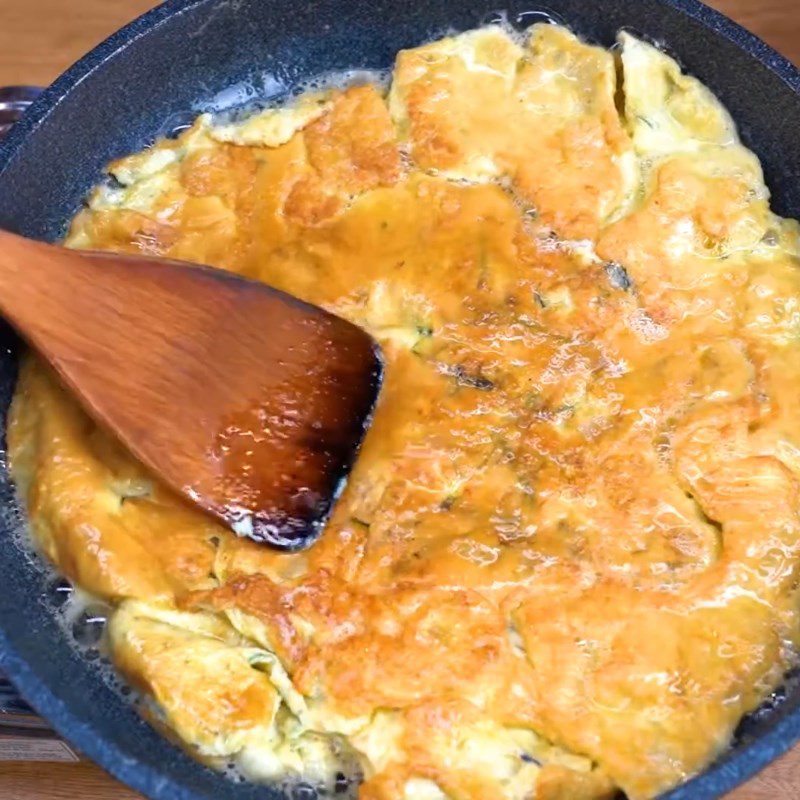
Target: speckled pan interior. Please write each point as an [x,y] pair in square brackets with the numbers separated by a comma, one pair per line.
[183,58]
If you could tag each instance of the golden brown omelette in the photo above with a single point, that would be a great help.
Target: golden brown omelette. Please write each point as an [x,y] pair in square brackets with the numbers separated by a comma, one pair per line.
[567,560]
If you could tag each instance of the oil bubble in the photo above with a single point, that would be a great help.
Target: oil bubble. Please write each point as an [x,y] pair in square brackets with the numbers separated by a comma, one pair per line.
[59,592]
[89,626]
[527,18]
[494,18]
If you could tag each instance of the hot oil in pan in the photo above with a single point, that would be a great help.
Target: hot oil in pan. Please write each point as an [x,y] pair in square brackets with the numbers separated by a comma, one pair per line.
[246,98]
[270,89]
[83,619]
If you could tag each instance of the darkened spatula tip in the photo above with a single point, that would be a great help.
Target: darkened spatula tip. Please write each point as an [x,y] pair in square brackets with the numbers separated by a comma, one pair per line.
[284,532]
[296,513]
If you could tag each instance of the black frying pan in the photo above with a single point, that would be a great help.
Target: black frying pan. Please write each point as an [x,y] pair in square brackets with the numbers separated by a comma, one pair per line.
[180,59]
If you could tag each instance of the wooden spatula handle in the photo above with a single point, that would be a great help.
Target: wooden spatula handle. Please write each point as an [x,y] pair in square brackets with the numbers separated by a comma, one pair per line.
[42,291]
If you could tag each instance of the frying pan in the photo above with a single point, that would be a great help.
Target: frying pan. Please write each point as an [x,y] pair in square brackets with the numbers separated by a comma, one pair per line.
[189,56]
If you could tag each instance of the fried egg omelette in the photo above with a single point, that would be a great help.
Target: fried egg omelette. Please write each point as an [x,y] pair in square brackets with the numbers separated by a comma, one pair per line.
[566,563]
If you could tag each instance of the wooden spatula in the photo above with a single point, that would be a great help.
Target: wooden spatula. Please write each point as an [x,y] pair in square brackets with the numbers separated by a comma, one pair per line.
[247,401]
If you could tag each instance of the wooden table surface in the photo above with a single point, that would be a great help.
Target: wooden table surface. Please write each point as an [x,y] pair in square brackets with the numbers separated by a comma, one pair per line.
[38,39]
